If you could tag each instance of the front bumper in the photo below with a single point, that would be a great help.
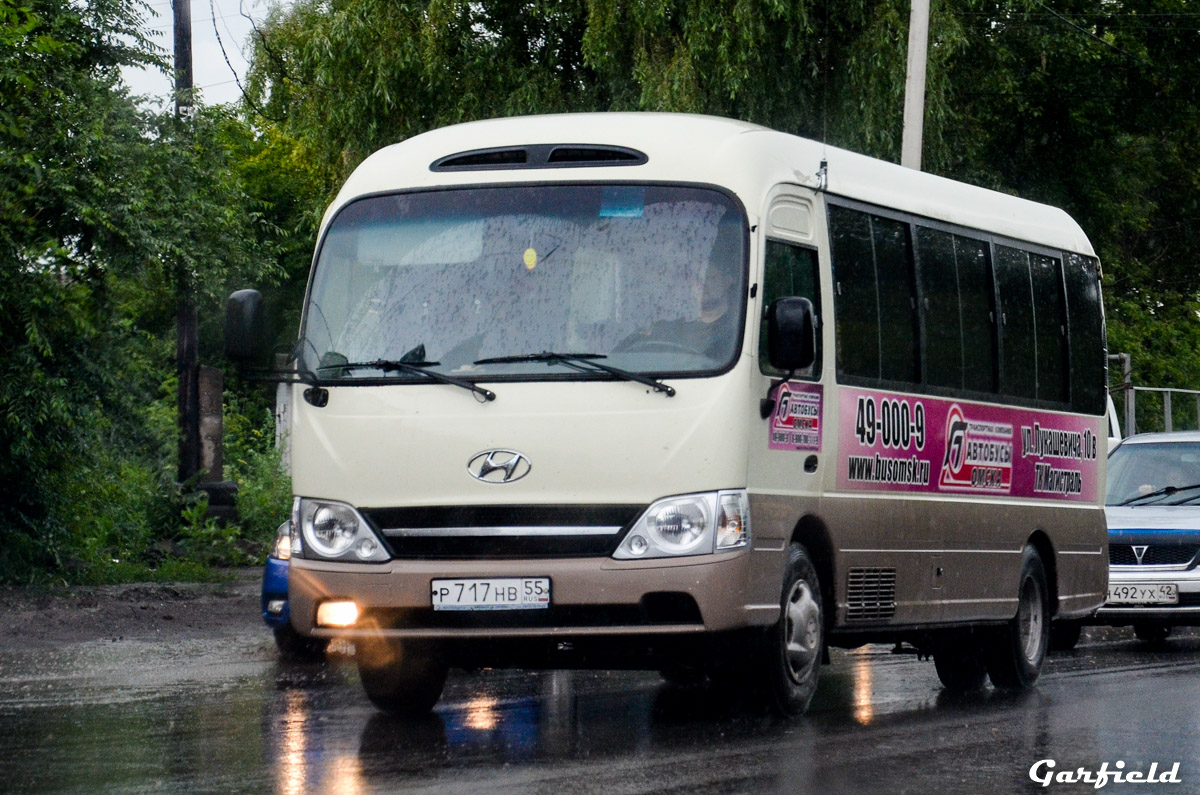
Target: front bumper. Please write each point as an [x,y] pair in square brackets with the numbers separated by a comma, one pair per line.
[1185,613]
[589,597]
[274,591]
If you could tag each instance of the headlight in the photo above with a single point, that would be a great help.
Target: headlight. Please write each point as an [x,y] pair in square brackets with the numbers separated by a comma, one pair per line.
[335,531]
[282,548]
[695,524]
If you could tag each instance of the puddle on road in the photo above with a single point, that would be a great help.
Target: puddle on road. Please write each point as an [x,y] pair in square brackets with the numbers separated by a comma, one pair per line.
[134,716]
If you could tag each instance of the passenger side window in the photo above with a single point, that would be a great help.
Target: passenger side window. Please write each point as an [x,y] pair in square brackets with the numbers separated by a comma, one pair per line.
[1033,325]
[1086,314]
[790,270]
[875,297]
[1049,311]
[956,290]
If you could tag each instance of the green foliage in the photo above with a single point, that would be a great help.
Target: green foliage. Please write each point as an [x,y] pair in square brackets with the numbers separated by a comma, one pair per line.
[264,497]
[108,212]
[208,540]
[1091,107]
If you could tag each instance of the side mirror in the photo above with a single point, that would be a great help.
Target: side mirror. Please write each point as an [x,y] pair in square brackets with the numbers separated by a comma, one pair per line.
[246,339]
[791,334]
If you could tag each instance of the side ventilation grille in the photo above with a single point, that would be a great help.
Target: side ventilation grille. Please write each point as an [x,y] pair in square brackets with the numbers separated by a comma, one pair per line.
[871,594]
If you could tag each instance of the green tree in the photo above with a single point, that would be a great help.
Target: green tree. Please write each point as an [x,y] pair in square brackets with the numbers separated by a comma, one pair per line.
[101,205]
[1086,105]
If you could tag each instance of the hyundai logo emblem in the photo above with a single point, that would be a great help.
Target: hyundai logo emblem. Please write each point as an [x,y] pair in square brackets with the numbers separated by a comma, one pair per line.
[499,466]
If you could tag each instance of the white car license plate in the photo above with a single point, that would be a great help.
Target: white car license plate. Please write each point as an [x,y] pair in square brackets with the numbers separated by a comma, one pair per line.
[1143,593]
[496,593]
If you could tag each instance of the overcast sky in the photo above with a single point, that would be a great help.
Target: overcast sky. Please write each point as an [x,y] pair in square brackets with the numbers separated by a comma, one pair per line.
[212,76]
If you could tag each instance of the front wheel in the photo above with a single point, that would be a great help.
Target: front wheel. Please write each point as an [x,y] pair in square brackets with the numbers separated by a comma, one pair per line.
[295,647]
[1154,634]
[792,648]
[1015,652]
[403,678]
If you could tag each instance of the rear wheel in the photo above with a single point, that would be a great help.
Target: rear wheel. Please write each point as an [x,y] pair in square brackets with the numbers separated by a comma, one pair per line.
[403,678]
[959,665]
[1014,653]
[1064,635]
[791,650]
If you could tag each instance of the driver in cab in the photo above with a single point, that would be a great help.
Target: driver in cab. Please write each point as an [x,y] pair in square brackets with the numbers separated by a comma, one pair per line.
[710,332]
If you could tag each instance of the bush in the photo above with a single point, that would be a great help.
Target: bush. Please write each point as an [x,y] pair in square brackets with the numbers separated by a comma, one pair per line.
[264,497]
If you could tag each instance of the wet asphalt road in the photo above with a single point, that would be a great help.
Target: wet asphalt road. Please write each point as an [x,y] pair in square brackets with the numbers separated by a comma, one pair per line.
[224,715]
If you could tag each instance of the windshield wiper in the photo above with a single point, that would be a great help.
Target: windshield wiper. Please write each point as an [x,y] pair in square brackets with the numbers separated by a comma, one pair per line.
[1165,491]
[583,362]
[415,368]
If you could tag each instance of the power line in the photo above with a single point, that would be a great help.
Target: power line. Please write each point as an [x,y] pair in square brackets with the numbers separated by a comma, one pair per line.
[1092,35]
[241,89]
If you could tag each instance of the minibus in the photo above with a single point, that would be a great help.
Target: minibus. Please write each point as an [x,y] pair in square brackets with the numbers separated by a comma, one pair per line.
[681,393]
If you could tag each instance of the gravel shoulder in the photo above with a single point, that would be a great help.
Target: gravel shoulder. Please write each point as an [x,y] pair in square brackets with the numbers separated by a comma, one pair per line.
[39,619]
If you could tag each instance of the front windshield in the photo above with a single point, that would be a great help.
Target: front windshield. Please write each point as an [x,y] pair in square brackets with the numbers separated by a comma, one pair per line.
[1165,470]
[648,279]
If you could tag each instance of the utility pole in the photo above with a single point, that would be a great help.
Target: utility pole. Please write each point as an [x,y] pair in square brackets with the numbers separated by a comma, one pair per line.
[914,85]
[187,354]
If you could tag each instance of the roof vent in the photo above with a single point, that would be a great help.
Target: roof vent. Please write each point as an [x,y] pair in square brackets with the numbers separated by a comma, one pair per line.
[594,156]
[483,158]
[540,156]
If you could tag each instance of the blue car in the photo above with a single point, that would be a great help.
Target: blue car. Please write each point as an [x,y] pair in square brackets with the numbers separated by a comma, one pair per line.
[291,644]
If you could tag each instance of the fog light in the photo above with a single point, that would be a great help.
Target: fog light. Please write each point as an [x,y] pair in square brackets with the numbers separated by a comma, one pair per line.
[275,606]
[337,614]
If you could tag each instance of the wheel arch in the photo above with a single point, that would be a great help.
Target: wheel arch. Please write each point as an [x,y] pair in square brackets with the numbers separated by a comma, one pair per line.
[813,534]
[1042,544]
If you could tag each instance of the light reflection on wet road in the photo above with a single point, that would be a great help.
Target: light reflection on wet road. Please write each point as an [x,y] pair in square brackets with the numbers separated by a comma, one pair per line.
[219,717]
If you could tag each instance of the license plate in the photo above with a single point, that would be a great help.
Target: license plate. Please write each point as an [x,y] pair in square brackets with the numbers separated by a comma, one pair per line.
[496,593]
[1139,593]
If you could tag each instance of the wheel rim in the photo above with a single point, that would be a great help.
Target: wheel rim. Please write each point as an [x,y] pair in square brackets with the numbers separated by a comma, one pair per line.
[1031,621]
[802,631]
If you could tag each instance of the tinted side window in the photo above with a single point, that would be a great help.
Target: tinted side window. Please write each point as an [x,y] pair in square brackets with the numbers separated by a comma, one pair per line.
[1033,325]
[876,310]
[977,296]
[856,296]
[956,290]
[790,271]
[1085,310]
[1050,317]
[897,301]
[1018,359]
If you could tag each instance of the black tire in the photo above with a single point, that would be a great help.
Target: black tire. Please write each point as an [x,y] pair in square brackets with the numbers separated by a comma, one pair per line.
[792,649]
[960,665]
[402,678]
[1014,653]
[295,647]
[1064,635]
[1149,632]
[682,675]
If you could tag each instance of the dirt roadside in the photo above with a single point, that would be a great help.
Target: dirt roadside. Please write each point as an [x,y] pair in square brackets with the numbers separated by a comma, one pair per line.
[39,618]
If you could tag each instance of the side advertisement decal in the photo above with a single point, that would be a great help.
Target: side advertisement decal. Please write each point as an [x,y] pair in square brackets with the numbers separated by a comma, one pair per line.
[921,444]
[796,423]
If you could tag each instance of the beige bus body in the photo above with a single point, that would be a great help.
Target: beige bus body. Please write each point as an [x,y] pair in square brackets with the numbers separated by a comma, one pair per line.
[893,563]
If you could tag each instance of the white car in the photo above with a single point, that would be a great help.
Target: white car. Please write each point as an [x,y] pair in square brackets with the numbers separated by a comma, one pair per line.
[1153,510]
